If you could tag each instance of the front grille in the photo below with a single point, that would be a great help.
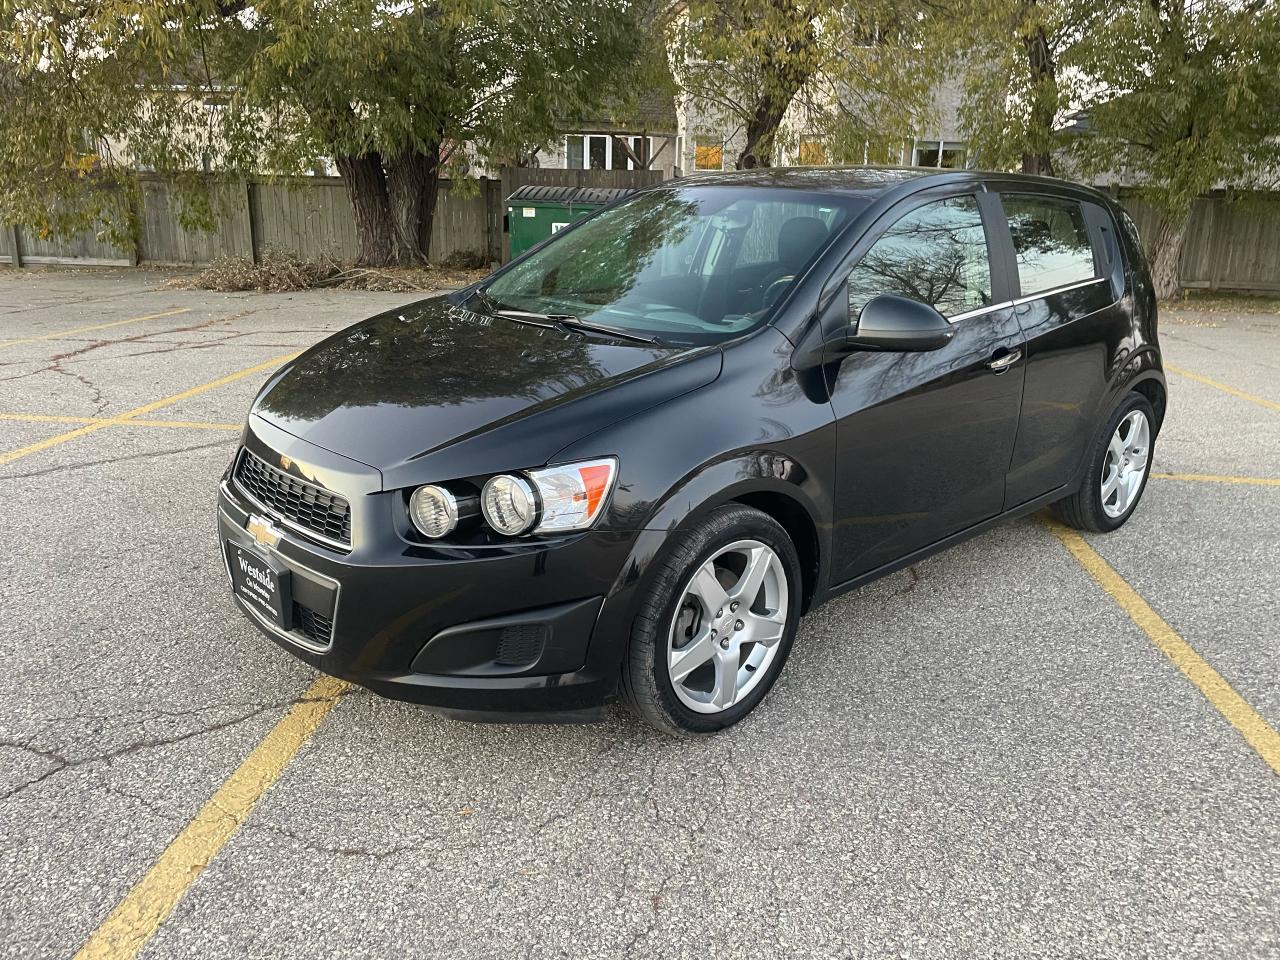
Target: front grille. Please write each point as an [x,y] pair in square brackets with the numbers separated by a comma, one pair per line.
[316,627]
[305,504]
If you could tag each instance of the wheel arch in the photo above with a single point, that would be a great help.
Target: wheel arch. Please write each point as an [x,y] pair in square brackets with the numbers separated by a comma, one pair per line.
[1153,388]
[796,520]
[765,480]
[1141,372]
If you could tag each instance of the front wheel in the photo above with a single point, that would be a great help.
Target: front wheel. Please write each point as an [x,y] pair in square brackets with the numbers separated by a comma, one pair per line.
[717,624]
[1119,464]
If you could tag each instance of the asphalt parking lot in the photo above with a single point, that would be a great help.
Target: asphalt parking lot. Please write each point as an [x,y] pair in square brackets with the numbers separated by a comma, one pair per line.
[1034,745]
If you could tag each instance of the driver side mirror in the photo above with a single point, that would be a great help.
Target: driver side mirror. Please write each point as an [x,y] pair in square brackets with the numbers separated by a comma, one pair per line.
[888,322]
[896,323]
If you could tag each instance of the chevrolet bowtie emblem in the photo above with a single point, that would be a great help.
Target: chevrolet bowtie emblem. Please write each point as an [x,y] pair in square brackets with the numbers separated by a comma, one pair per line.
[263,531]
[286,462]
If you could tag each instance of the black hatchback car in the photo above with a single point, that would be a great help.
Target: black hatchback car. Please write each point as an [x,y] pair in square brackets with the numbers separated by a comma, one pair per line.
[630,460]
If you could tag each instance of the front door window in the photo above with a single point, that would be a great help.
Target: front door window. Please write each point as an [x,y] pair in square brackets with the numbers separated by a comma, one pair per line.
[936,254]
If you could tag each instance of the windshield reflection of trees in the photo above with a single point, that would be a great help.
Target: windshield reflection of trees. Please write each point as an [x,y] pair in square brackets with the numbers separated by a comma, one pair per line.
[602,261]
[451,357]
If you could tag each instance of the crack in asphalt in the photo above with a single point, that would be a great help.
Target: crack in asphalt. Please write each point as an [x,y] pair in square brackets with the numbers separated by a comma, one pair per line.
[99,402]
[62,303]
[145,455]
[339,851]
[148,713]
[913,578]
[62,762]
[56,361]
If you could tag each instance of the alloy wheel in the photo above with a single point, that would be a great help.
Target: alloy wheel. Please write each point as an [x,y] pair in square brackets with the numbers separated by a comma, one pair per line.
[1125,467]
[728,626]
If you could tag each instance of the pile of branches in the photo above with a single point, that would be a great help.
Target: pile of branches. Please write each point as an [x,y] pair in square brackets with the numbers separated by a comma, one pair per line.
[281,272]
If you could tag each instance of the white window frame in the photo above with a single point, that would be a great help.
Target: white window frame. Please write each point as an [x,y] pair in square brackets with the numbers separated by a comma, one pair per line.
[939,145]
[608,149]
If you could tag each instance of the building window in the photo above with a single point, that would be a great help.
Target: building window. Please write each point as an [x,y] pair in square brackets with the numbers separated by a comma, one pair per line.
[813,152]
[598,151]
[708,156]
[947,154]
[640,149]
[953,156]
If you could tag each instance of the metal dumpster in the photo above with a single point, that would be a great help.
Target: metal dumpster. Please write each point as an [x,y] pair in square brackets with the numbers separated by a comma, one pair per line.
[536,212]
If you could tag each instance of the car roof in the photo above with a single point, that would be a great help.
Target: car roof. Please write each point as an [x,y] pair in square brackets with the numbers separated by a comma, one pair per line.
[867,182]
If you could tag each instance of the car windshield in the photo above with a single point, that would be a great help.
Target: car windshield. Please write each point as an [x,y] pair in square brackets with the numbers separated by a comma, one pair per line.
[695,264]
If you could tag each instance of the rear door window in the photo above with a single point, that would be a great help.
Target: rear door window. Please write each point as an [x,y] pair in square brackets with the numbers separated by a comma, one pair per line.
[1050,242]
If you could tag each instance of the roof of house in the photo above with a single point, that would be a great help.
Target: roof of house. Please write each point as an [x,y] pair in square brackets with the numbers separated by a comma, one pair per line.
[653,111]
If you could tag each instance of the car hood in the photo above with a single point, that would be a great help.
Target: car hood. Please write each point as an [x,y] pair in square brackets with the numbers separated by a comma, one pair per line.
[434,390]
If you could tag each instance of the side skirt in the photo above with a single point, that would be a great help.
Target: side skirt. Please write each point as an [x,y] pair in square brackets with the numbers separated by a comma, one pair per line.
[1022,510]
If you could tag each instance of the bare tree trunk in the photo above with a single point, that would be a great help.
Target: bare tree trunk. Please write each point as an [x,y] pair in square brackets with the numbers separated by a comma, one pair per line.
[367,188]
[412,178]
[1044,104]
[784,76]
[430,196]
[1166,262]
[762,130]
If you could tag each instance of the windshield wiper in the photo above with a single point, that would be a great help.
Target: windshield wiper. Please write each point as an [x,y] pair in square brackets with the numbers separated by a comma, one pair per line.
[490,304]
[561,321]
[568,320]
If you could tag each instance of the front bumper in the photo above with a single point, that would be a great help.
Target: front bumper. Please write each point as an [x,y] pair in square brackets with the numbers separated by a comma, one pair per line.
[530,630]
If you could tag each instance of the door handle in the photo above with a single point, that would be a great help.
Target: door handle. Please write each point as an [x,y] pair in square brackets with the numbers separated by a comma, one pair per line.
[1001,364]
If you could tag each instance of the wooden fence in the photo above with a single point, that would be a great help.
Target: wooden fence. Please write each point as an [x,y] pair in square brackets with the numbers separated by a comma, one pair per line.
[310,217]
[1229,246]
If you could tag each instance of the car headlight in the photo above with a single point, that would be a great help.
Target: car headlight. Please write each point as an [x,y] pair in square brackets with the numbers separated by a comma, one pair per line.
[434,511]
[573,494]
[509,504]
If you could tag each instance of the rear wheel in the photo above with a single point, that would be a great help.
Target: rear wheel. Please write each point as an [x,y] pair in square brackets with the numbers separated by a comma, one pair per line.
[1119,464]
[717,624]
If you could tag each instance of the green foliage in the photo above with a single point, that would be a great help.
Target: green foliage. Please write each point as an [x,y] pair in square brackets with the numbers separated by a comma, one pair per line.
[281,85]
[1186,98]
[850,69]
[1009,56]
[1177,96]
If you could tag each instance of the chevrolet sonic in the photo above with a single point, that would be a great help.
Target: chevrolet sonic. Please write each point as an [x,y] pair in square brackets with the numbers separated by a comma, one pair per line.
[629,461]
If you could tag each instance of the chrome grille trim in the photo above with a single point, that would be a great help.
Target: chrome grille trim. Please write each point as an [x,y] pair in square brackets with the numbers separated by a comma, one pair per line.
[307,508]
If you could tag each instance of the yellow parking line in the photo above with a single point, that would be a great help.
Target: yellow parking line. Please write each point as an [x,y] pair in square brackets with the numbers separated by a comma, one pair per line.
[95,326]
[1237,711]
[109,421]
[178,424]
[1261,401]
[1216,478]
[138,916]
[138,412]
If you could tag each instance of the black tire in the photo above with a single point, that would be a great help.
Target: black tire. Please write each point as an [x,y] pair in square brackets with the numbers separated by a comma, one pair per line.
[646,685]
[1084,508]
